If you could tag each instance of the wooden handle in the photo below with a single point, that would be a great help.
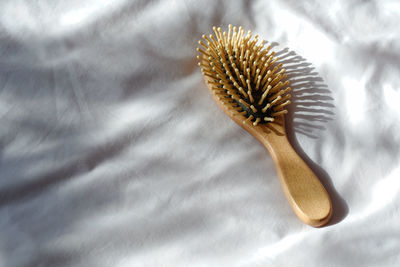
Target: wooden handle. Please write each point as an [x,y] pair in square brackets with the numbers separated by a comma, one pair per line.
[302,188]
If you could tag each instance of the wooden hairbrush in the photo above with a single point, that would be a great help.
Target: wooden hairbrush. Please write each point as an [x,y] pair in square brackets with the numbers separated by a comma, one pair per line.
[249,85]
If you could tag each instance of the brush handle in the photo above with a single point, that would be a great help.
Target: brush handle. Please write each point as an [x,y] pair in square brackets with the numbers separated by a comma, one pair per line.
[302,188]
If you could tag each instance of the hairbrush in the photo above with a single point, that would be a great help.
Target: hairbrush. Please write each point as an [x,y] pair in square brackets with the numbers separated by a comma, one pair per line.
[251,87]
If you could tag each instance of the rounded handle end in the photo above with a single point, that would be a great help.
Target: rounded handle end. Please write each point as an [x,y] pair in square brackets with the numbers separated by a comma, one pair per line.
[318,217]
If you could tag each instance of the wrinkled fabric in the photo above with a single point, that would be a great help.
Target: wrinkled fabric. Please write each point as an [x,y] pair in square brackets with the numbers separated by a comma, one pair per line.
[113,152]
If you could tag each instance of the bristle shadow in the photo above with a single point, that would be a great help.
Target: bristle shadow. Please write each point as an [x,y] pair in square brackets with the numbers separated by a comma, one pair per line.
[311,98]
[270,127]
[312,107]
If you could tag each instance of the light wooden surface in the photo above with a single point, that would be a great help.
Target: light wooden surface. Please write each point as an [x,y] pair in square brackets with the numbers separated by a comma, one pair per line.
[304,191]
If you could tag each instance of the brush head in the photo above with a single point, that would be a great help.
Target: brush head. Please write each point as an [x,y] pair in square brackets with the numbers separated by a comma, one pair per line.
[244,75]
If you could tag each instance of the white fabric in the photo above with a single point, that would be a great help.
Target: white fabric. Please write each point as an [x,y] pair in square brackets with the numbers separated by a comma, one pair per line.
[113,153]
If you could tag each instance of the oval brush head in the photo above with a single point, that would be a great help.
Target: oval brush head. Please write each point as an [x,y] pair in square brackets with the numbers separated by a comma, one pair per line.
[244,75]
[251,87]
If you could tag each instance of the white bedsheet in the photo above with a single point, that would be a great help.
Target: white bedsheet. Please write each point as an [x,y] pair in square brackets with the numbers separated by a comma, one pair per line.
[113,153]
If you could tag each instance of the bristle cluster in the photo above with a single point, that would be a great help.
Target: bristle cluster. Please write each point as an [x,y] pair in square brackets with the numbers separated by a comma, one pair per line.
[244,75]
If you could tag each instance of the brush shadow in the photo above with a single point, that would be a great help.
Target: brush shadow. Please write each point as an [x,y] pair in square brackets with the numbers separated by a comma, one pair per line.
[312,106]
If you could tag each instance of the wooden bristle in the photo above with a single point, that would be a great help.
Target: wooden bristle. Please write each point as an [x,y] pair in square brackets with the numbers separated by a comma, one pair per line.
[244,75]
